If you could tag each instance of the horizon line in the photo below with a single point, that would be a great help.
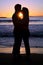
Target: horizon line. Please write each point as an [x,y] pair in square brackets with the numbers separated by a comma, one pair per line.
[11,17]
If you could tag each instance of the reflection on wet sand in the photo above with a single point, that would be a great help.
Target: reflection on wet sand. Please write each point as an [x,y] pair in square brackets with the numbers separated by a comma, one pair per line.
[22,50]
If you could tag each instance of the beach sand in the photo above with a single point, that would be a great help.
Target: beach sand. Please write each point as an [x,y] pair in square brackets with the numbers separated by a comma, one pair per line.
[6,57]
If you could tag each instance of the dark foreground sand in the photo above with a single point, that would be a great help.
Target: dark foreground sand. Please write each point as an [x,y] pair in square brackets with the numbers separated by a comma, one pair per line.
[7,59]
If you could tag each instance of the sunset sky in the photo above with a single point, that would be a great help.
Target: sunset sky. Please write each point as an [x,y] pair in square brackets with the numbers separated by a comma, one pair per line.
[7,7]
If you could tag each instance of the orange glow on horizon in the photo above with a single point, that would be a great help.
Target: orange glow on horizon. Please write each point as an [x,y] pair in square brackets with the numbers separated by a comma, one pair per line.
[34,13]
[9,13]
[6,13]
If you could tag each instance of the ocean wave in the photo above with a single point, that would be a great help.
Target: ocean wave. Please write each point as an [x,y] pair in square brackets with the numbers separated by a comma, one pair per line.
[30,23]
[35,20]
[7,34]
[35,30]
[29,20]
[32,34]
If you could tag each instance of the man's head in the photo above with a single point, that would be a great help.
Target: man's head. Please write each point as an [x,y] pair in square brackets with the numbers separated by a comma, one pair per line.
[17,7]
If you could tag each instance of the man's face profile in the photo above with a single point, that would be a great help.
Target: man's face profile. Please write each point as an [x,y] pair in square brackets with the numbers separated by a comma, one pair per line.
[20,15]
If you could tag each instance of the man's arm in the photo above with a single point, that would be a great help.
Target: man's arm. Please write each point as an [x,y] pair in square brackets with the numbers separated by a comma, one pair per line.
[14,20]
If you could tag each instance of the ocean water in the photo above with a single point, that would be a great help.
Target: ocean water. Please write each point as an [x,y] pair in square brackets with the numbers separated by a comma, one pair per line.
[35,28]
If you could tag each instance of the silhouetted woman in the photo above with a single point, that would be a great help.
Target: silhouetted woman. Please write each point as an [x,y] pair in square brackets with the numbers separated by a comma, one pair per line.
[25,30]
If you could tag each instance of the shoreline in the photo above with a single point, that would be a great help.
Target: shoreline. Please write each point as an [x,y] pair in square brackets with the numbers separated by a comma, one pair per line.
[22,50]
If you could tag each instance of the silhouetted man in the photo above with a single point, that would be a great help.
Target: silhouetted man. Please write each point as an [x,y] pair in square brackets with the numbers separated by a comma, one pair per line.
[17,30]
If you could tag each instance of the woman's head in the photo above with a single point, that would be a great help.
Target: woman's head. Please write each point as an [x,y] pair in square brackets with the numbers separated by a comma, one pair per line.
[25,11]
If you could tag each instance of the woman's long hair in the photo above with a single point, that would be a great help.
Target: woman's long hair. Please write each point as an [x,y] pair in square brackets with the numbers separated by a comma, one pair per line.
[26,16]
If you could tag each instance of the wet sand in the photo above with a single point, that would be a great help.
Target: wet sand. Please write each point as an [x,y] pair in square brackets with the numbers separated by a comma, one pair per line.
[22,50]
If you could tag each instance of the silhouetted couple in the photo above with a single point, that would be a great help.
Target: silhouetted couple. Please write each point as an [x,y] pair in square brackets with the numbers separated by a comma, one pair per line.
[21,30]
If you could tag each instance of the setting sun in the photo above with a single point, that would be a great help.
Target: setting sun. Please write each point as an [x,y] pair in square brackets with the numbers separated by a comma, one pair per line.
[20,15]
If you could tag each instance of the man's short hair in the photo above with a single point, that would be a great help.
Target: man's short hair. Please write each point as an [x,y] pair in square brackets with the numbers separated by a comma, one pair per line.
[17,7]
